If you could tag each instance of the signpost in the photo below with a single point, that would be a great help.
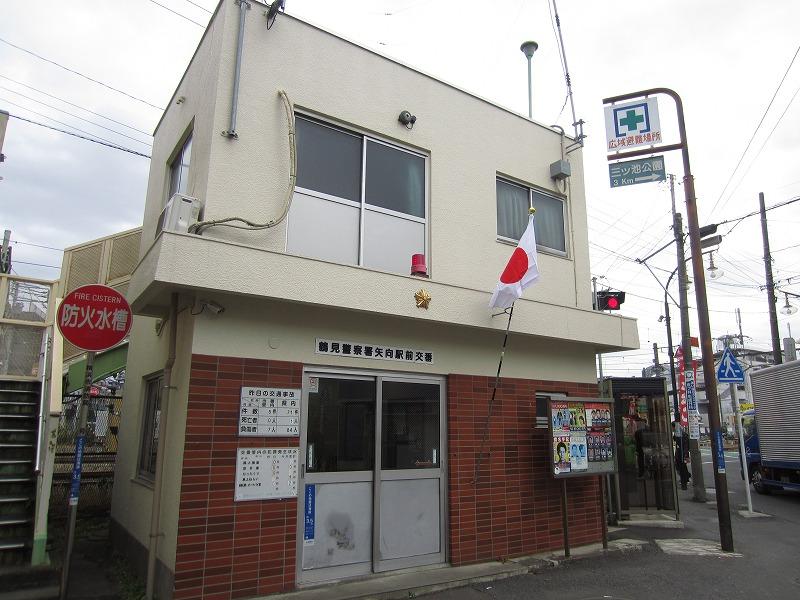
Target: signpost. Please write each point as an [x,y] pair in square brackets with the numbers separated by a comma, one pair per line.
[632,124]
[631,172]
[93,318]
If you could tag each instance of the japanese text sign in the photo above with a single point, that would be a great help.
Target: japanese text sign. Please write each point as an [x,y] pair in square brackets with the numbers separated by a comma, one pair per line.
[266,473]
[632,124]
[94,317]
[631,172]
[269,412]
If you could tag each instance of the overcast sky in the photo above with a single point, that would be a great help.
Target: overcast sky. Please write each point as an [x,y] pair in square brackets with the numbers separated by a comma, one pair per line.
[725,58]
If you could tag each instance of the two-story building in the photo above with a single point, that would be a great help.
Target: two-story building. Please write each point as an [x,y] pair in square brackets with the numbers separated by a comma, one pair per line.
[296,281]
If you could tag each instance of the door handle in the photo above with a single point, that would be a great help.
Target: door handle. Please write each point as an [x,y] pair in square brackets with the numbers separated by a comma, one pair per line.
[302,471]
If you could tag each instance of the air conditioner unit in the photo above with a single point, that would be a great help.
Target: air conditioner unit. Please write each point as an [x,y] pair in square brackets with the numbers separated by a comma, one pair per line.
[179,213]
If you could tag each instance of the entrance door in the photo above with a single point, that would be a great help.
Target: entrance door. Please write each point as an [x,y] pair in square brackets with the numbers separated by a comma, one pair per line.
[374,479]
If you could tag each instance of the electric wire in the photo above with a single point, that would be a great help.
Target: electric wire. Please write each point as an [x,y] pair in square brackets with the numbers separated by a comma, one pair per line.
[78,73]
[88,139]
[75,116]
[199,6]
[30,87]
[37,245]
[755,132]
[22,262]
[175,12]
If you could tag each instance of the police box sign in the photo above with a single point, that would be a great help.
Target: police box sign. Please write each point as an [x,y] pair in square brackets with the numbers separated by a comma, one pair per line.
[373,351]
[269,412]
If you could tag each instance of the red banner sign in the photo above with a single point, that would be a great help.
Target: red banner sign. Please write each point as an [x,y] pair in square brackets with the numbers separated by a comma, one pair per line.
[94,317]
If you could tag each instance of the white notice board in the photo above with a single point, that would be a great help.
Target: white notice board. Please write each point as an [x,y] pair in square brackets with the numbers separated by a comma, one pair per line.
[266,473]
[269,412]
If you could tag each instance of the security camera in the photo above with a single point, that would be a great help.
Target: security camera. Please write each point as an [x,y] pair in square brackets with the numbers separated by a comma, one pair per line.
[213,307]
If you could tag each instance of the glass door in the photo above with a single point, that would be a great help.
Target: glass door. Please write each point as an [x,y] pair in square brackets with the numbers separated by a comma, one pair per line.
[339,442]
[410,482]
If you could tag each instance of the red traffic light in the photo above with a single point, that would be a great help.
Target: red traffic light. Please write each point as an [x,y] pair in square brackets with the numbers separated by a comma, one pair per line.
[610,300]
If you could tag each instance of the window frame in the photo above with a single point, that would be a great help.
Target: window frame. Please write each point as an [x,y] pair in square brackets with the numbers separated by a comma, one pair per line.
[146,437]
[531,189]
[177,155]
[362,204]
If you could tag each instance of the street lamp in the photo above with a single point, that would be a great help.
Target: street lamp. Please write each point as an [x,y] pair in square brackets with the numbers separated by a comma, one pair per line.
[788,309]
[714,272]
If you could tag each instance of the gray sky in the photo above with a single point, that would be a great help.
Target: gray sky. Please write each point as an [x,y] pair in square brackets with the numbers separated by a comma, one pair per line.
[725,57]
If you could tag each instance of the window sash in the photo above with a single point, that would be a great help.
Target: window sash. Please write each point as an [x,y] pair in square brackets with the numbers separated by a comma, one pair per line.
[179,169]
[150,428]
[370,199]
[513,202]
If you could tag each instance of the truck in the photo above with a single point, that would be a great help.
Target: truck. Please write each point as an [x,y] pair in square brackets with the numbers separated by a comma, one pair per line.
[772,428]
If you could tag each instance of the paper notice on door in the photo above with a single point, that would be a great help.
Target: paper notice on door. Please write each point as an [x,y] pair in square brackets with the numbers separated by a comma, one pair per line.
[434,456]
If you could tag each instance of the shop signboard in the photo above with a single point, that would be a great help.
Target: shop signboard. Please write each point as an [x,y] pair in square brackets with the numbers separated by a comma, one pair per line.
[582,437]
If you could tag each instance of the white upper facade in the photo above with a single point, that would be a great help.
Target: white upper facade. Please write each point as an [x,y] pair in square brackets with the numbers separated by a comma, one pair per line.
[369,191]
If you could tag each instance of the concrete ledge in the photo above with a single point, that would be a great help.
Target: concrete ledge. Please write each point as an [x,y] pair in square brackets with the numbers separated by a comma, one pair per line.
[660,521]
[417,583]
[752,515]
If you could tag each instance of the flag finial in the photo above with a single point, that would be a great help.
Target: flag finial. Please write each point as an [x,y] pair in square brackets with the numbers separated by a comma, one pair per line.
[531,210]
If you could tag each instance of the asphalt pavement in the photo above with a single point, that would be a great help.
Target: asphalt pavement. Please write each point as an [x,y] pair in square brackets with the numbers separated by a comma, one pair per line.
[765,565]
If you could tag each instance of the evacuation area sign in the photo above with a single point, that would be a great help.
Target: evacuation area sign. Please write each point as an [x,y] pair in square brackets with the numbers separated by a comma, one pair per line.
[631,172]
[632,124]
[94,317]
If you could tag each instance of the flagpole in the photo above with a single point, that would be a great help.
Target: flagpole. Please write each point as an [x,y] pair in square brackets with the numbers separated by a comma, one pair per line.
[494,394]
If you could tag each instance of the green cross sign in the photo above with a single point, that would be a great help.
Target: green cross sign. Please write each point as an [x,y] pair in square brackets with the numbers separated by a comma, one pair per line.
[631,120]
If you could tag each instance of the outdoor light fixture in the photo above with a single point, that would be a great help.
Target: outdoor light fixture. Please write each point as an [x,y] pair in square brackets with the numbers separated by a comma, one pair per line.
[713,271]
[407,119]
[528,48]
[213,307]
[788,309]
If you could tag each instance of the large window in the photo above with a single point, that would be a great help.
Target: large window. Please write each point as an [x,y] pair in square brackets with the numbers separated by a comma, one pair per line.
[179,169]
[150,427]
[513,202]
[358,200]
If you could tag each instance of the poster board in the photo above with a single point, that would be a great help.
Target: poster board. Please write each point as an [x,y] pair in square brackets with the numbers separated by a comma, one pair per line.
[581,436]
[266,473]
[269,412]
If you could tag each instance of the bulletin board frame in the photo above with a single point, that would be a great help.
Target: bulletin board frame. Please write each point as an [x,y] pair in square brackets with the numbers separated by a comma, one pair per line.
[596,434]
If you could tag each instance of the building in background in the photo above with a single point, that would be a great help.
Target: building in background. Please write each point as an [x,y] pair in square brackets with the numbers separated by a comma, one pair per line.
[316,192]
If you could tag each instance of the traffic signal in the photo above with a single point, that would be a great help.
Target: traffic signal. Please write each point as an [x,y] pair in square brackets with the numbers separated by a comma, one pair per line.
[610,300]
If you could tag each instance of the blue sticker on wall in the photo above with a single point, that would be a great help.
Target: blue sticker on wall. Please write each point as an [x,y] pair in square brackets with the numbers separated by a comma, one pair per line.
[720,460]
[308,511]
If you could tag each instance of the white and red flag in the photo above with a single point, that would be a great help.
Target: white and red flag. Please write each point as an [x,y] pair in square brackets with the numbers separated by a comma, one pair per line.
[521,271]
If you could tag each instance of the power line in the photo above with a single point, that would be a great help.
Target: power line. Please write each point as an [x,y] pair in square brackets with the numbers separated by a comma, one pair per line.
[764,116]
[175,12]
[60,66]
[75,116]
[88,139]
[30,87]
[22,262]
[37,246]
[198,6]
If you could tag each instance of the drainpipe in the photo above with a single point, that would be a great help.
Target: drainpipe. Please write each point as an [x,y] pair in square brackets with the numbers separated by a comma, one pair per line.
[155,512]
[243,8]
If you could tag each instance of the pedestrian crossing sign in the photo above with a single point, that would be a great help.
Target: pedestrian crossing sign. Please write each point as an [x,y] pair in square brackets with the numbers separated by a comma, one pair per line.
[729,370]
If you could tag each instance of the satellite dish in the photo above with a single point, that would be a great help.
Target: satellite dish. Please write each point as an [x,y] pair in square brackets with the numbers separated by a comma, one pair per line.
[272,12]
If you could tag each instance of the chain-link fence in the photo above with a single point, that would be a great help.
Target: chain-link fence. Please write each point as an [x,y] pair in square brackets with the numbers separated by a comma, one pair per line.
[99,455]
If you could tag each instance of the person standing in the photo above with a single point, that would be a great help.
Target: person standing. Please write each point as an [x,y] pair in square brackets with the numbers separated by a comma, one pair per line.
[681,453]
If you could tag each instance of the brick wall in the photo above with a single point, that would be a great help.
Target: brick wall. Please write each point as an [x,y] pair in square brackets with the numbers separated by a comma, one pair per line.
[230,549]
[514,509]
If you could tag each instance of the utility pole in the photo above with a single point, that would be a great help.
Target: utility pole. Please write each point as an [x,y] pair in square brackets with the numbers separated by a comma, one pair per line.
[599,356]
[5,253]
[771,299]
[656,364]
[698,479]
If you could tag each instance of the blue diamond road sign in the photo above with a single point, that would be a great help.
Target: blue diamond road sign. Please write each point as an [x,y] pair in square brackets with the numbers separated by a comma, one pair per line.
[729,370]
[631,172]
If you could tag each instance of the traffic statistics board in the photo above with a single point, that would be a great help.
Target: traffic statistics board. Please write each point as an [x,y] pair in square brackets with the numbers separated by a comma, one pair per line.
[631,172]
[94,317]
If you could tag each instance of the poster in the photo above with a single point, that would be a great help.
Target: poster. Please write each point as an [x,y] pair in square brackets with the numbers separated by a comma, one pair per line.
[582,437]
[266,473]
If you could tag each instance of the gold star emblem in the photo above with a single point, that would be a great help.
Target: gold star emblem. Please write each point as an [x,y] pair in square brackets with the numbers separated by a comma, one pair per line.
[423,299]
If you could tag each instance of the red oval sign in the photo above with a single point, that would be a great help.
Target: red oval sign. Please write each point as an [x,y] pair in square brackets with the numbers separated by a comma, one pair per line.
[94,317]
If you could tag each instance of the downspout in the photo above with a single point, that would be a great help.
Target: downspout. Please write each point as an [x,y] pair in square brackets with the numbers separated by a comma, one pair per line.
[155,513]
[244,6]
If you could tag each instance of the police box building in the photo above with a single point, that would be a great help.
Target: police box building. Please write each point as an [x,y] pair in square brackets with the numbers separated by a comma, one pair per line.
[309,401]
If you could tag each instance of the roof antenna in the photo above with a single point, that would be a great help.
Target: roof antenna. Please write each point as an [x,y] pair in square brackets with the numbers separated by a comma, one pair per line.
[576,124]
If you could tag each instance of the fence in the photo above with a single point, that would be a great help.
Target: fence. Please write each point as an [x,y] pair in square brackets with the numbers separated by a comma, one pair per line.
[99,455]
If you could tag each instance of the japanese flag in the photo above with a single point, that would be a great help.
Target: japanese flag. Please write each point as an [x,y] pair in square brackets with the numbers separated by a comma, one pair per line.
[521,271]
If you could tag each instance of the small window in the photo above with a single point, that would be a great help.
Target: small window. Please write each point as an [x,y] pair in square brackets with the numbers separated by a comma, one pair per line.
[372,216]
[513,202]
[542,415]
[150,427]
[179,169]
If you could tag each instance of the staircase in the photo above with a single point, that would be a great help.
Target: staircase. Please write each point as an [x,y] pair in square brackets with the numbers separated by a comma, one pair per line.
[19,422]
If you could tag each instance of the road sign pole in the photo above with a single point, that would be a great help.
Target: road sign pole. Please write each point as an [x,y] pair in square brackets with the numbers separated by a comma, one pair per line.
[709,378]
[75,486]
[742,451]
